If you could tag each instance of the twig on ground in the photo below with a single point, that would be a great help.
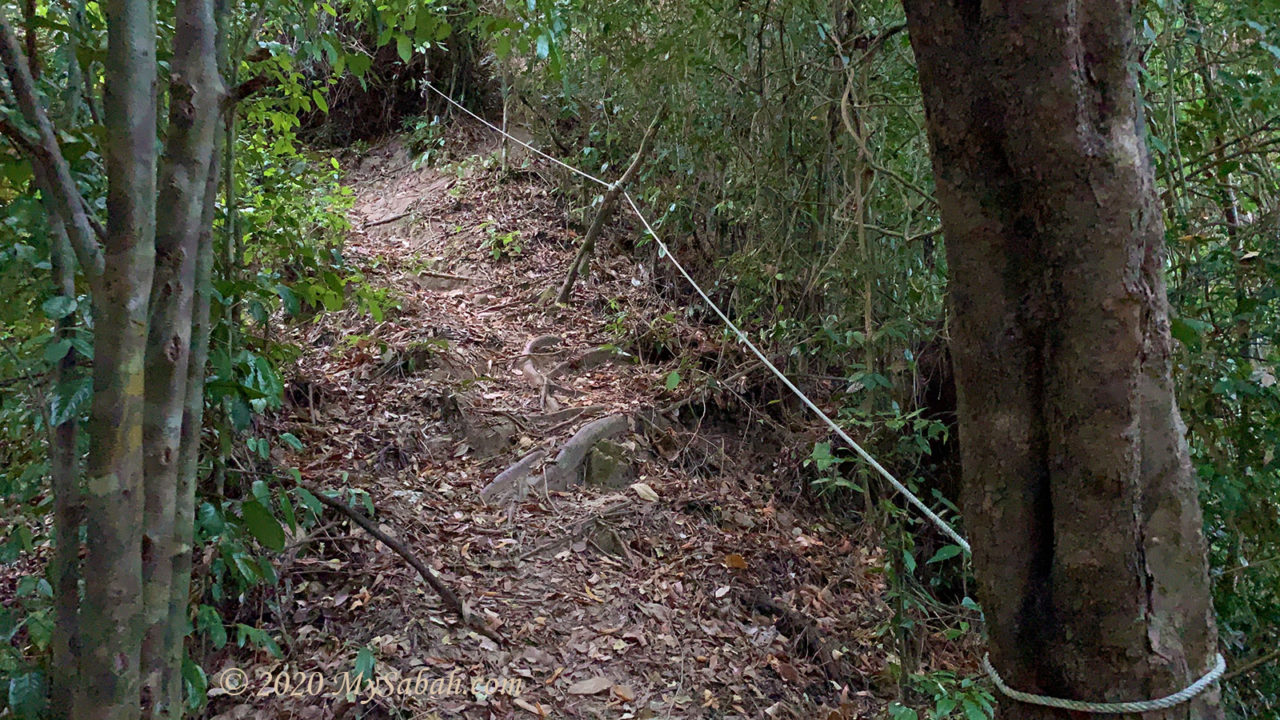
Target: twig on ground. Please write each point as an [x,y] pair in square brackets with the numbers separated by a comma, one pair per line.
[447,595]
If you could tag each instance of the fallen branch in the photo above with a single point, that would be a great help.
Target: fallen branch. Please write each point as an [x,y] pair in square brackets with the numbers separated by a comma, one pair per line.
[450,599]
[445,275]
[388,220]
[570,415]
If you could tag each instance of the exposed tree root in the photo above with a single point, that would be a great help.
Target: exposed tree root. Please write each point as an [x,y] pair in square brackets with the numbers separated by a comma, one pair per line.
[511,482]
[530,369]
[574,453]
[588,360]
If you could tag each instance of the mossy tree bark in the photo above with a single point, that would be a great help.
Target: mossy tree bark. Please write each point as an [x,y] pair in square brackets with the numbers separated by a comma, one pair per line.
[1080,498]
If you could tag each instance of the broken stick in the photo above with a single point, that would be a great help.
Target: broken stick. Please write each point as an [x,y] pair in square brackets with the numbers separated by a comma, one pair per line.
[606,209]
[450,599]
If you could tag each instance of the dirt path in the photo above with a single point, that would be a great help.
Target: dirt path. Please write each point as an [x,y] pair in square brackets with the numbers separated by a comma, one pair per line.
[678,583]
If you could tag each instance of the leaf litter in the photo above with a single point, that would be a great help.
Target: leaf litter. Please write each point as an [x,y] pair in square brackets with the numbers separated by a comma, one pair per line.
[657,597]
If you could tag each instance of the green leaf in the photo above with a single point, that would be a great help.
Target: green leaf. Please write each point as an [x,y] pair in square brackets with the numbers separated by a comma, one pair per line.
[944,707]
[56,350]
[287,296]
[58,307]
[291,440]
[364,663]
[366,501]
[673,379]
[209,520]
[974,711]
[821,456]
[263,525]
[210,622]
[286,509]
[40,629]
[320,102]
[68,398]
[359,64]
[946,552]
[404,48]
[262,492]
[197,683]
[314,505]
[899,712]
[1188,331]
[82,346]
[27,695]
[248,569]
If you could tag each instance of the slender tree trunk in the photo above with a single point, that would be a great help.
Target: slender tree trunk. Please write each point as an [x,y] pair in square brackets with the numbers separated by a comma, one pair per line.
[195,92]
[1080,498]
[68,515]
[192,423]
[114,472]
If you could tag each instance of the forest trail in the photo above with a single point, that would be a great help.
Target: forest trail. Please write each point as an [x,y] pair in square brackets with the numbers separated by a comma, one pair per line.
[684,580]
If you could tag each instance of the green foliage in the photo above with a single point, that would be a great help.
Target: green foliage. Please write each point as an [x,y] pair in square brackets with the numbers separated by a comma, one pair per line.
[500,244]
[795,169]
[425,139]
[951,697]
[1210,85]
[279,232]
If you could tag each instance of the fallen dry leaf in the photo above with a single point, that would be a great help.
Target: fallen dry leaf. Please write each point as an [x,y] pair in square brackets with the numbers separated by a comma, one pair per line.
[591,686]
[645,492]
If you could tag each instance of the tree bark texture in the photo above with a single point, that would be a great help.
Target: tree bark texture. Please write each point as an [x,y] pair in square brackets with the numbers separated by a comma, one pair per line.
[119,646]
[114,471]
[195,93]
[1080,498]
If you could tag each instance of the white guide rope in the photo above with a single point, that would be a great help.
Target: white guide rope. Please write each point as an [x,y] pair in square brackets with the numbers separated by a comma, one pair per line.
[742,337]
[1168,701]
[1106,708]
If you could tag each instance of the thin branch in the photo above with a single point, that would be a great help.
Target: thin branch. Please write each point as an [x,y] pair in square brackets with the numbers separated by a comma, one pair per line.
[606,209]
[244,90]
[450,598]
[64,196]
[1256,662]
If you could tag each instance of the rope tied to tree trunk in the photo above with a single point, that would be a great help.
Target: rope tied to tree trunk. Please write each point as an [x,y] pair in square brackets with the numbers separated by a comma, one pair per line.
[1117,708]
[1179,697]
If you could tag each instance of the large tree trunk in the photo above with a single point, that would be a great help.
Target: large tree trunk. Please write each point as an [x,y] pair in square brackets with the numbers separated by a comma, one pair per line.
[1080,498]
